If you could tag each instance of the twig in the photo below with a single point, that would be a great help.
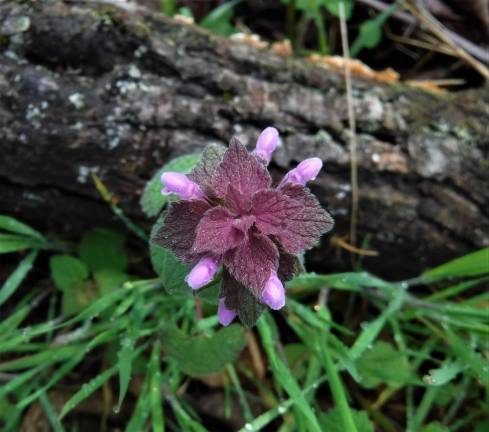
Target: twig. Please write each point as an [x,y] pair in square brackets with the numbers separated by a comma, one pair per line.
[343,244]
[478,52]
[352,125]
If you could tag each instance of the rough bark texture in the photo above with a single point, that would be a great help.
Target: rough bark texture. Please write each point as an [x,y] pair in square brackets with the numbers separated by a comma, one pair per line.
[87,87]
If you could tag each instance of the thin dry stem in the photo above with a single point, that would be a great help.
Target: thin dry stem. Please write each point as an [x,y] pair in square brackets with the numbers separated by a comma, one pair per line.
[439,30]
[352,125]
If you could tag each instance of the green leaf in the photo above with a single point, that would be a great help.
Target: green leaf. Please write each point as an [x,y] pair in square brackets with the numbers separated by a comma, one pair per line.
[186,12]
[473,264]
[11,243]
[331,421]
[219,19]
[8,223]
[370,33]
[434,427]
[249,308]
[369,37]
[170,269]
[444,374]
[333,6]
[203,355]
[17,276]
[103,249]
[297,356]
[383,364]
[68,272]
[168,7]
[108,280]
[482,426]
[70,276]
[310,7]
[152,201]
[81,296]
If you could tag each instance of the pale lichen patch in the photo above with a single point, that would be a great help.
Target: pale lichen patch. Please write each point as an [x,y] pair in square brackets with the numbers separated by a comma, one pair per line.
[77,100]
[84,171]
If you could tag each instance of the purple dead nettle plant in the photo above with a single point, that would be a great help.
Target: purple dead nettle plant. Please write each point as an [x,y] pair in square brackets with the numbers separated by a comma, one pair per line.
[230,215]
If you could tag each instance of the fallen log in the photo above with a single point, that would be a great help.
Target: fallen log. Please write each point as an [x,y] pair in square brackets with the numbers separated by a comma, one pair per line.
[113,89]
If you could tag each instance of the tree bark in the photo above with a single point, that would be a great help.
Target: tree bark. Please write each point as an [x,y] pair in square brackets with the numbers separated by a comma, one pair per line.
[118,91]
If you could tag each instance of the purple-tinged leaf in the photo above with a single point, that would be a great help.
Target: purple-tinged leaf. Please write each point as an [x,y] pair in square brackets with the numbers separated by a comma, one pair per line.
[205,169]
[217,232]
[240,300]
[178,231]
[242,170]
[252,262]
[288,266]
[235,203]
[305,227]
[272,210]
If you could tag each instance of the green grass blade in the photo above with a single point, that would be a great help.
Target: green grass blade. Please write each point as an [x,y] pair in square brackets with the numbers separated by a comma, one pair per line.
[87,389]
[94,384]
[11,243]
[469,357]
[8,223]
[155,390]
[49,356]
[51,413]
[455,289]
[241,396]
[424,407]
[473,264]
[20,380]
[268,416]
[372,329]
[13,321]
[142,409]
[336,385]
[59,374]
[283,375]
[125,367]
[17,276]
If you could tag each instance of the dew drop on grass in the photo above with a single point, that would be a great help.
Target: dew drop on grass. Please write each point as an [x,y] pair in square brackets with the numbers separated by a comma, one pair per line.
[282,409]
[248,427]
[116,409]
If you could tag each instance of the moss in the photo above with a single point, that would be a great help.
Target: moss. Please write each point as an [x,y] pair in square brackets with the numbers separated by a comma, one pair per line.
[110,15]
[228,96]
[138,28]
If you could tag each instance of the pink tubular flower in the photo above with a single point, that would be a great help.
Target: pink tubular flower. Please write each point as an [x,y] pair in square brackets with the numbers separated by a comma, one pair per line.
[224,314]
[241,221]
[266,144]
[203,272]
[273,294]
[307,170]
[179,184]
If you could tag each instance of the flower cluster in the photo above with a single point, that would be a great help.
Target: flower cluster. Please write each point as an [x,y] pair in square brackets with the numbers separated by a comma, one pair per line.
[229,214]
